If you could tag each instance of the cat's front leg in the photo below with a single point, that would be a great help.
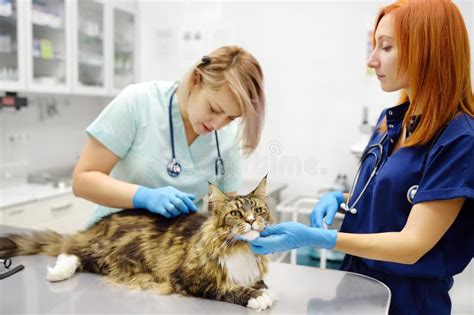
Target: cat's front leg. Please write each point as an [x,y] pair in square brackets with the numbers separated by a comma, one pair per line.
[262,301]
[257,299]
[245,296]
[260,285]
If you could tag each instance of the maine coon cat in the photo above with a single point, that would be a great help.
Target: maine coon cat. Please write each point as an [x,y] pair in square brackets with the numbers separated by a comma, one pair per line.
[200,255]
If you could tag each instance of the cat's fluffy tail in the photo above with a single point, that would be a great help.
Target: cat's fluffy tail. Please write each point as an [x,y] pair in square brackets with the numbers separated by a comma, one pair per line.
[46,243]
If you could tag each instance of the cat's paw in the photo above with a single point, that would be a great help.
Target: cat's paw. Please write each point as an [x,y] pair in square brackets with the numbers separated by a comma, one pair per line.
[270,294]
[64,269]
[261,302]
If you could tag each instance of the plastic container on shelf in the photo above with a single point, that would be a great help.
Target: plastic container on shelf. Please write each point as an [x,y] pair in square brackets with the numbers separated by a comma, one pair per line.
[6,8]
[5,43]
[44,16]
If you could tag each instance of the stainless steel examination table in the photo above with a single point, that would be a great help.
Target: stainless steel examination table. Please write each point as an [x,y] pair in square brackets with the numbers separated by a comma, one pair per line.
[298,289]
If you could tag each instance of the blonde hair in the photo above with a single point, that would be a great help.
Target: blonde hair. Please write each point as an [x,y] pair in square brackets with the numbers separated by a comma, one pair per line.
[240,71]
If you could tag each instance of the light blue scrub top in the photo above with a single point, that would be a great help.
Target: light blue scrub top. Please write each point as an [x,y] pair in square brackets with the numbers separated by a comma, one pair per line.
[135,127]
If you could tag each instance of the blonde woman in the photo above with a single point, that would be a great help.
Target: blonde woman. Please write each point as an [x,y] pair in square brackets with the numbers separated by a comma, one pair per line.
[158,144]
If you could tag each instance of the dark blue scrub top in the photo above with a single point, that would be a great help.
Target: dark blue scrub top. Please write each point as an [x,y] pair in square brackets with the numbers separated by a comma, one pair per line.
[447,173]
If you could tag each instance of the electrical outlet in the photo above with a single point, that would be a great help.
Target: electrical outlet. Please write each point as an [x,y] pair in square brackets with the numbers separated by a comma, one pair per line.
[25,136]
[11,137]
[20,136]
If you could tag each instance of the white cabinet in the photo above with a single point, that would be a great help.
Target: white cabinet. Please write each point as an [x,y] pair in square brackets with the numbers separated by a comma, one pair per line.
[104,46]
[67,46]
[12,61]
[124,52]
[63,214]
[90,37]
[48,46]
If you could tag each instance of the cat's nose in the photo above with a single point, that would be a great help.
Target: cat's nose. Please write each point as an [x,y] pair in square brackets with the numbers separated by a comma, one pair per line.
[250,219]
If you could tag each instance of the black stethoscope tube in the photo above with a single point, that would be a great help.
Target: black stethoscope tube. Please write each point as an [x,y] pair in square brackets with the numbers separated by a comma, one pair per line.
[174,168]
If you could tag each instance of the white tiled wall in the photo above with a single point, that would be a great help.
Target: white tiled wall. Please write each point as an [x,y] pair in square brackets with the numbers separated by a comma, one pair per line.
[40,137]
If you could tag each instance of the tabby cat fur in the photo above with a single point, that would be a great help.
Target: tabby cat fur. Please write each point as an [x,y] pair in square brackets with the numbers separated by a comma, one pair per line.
[200,255]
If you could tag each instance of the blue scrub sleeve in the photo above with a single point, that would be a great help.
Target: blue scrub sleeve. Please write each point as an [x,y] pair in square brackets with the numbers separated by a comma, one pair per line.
[449,171]
[116,125]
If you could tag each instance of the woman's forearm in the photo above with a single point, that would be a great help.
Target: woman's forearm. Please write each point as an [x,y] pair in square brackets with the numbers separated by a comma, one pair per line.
[103,189]
[396,247]
[426,225]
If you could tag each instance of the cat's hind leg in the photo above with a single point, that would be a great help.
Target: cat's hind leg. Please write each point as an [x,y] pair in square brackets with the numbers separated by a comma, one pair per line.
[260,285]
[64,269]
[139,281]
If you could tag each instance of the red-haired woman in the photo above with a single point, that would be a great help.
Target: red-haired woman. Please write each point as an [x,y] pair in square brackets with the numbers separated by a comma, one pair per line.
[410,223]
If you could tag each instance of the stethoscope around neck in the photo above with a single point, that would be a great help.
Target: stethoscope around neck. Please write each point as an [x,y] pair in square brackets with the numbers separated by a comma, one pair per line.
[369,151]
[174,168]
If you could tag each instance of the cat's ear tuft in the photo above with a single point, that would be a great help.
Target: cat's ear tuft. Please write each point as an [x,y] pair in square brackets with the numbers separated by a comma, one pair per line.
[215,194]
[261,190]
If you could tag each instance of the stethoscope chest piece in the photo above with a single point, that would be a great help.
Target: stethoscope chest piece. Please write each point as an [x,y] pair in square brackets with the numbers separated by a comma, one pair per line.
[411,193]
[174,168]
[346,208]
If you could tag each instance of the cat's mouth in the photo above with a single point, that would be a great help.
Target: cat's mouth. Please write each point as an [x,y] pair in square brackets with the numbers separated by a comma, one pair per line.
[250,232]
[250,235]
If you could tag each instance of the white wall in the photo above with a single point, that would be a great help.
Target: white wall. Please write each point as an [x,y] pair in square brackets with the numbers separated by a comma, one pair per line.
[34,138]
[313,56]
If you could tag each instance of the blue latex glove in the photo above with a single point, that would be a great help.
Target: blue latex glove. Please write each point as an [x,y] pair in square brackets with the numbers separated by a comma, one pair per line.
[291,235]
[326,208]
[167,201]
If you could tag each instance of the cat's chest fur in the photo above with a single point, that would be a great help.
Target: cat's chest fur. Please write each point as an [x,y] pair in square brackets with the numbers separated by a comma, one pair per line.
[242,268]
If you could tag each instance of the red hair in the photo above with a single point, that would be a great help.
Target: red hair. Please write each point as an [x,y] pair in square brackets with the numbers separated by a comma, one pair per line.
[433,49]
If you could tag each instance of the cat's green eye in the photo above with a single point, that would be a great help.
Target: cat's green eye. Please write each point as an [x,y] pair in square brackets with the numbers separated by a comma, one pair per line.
[235,213]
[258,211]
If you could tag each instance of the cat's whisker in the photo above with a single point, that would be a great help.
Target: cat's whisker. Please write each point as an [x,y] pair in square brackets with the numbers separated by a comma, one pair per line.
[228,242]
[216,238]
[222,245]
[221,234]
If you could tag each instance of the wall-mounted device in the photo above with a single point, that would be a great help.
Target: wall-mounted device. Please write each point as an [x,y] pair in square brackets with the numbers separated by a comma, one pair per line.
[11,99]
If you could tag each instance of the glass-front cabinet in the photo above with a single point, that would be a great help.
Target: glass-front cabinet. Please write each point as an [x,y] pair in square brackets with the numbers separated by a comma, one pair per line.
[90,47]
[11,61]
[67,46]
[123,48]
[49,45]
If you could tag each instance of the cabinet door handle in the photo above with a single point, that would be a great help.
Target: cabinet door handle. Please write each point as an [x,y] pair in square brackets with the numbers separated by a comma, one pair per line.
[61,207]
[16,212]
